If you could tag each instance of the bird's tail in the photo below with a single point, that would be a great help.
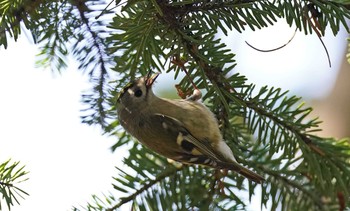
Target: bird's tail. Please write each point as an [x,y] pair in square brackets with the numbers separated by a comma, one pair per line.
[241,170]
[219,164]
[251,175]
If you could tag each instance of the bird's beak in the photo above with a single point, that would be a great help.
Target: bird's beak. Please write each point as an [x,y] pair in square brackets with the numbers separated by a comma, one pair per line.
[150,79]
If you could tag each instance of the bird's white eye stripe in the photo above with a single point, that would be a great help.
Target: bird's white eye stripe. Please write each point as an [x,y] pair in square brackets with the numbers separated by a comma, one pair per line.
[130,91]
[122,92]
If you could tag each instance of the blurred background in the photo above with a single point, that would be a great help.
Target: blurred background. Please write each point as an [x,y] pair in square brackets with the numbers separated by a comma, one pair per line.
[301,67]
[68,161]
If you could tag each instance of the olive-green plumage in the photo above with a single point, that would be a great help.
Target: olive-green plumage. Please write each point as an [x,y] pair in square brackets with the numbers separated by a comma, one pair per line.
[182,130]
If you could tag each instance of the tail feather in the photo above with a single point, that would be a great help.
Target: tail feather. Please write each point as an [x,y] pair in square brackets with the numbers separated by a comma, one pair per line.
[229,165]
[241,170]
[251,175]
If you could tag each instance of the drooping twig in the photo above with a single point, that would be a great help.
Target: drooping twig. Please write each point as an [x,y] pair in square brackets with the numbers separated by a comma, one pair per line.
[316,25]
[274,49]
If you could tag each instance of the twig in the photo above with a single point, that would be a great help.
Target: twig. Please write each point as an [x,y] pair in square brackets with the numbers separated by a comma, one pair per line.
[316,27]
[105,9]
[181,63]
[274,49]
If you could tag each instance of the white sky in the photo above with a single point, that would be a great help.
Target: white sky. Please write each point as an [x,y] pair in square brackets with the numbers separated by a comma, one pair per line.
[40,126]
[69,161]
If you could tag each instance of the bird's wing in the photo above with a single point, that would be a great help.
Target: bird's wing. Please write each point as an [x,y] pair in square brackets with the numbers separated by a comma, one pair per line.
[187,142]
[196,151]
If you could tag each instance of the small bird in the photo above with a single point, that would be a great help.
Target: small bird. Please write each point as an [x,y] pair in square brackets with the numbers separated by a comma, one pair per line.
[184,130]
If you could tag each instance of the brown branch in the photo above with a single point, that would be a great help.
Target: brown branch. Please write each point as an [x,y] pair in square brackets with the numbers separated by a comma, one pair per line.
[316,25]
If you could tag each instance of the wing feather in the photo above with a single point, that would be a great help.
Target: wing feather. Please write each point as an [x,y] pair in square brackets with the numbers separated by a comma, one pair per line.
[174,125]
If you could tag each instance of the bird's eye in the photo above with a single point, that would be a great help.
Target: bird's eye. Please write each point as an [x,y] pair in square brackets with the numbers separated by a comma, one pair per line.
[138,93]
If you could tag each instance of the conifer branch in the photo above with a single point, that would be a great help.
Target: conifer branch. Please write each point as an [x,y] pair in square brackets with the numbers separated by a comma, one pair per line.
[97,42]
[295,185]
[10,174]
[14,16]
[168,172]
[292,128]
[82,8]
